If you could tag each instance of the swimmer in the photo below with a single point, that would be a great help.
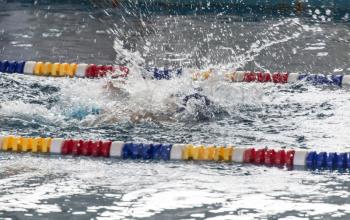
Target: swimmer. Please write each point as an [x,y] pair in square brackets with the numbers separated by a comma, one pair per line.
[175,106]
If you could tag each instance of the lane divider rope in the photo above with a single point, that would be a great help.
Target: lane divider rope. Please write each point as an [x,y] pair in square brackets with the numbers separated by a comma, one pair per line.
[81,70]
[95,71]
[126,150]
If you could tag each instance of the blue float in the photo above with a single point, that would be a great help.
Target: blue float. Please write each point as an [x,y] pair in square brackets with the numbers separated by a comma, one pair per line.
[321,79]
[332,160]
[342,161]
[303,76]
[321,160]
[311,160]
[126,153]
[20,67]
[347,163]
[11,68]
[337,79]
[146,152]
[156,151]
[3,66]
[160,74]
[135,151]
[165,151]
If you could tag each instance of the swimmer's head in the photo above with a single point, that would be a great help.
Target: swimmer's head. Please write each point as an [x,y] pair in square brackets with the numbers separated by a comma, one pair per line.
[184,99]
[196,105]
[196,97]
[195,101]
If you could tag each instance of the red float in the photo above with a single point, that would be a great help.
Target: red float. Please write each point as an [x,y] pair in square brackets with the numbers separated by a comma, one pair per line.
[76,147]
[102,71]
[67,147]
[109,69]
[290,158]
[264,77]
[280,158]
[270,157]
[280,77]
[249,77]
[95,148]
[86,148]
[92,71]
[249,155]
[105,148]
[259,156]
[120,71]
[125,70]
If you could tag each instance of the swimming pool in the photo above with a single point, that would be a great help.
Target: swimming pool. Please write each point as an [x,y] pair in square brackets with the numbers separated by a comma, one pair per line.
[299,116]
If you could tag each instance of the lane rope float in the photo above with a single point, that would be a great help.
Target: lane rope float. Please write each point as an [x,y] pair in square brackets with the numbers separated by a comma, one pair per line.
[283,158]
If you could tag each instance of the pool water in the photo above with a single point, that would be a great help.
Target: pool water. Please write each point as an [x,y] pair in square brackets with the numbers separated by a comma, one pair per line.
[299,116]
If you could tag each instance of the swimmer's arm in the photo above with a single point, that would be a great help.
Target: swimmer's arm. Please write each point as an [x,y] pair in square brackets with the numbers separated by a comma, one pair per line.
[115,90]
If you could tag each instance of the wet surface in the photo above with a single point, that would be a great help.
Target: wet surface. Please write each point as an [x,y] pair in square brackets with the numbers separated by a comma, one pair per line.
[300,116]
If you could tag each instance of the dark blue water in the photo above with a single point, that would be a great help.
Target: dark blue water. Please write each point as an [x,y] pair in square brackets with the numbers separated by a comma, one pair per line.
[298,116]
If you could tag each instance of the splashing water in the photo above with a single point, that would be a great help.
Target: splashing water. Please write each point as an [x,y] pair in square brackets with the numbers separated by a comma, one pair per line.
[299,115]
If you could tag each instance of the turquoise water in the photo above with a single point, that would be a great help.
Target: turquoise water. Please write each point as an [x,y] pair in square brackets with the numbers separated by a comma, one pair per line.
[299,115]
